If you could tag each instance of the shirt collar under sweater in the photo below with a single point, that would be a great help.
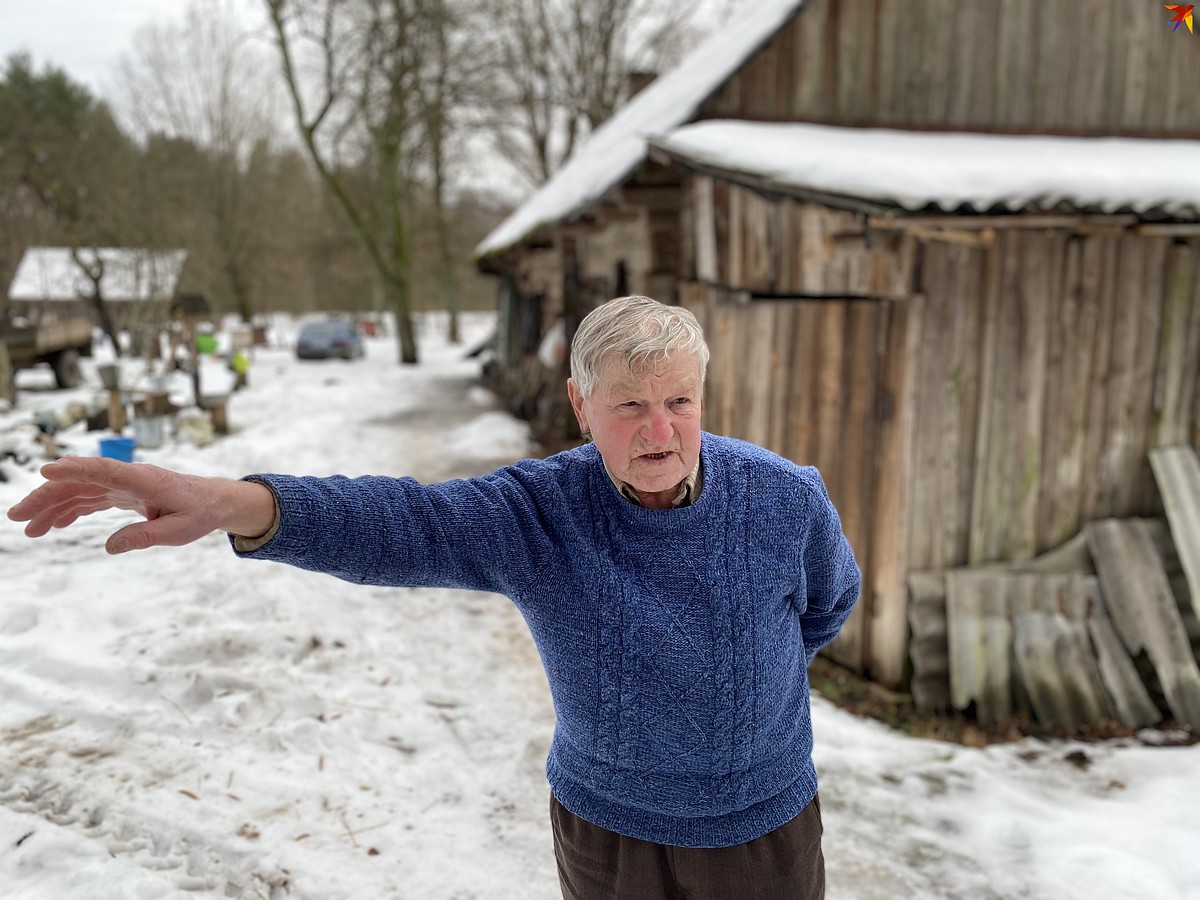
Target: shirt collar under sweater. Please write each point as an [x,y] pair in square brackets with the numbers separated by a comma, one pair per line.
[660,523]
[689,488]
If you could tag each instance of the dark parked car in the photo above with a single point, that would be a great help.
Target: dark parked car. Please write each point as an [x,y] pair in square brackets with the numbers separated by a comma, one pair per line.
[332,338]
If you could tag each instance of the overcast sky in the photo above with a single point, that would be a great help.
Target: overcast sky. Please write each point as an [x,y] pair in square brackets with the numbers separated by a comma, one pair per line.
[87,38]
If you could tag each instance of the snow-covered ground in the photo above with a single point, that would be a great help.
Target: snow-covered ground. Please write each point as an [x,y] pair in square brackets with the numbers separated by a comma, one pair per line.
[179,723]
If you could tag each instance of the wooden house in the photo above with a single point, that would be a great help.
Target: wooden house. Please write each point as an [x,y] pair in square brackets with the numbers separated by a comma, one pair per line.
[947,252]
[137,285]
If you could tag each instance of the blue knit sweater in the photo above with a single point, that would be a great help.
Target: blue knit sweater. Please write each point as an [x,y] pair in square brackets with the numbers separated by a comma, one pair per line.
[676,642]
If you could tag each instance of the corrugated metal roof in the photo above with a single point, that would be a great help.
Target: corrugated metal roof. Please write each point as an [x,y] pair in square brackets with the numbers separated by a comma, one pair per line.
[49,273]
[619,146]
[953,172]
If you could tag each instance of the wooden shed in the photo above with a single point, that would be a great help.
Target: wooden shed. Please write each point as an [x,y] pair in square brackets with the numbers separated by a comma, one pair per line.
[976,383]
[137,284]
[946,252]
[608,223]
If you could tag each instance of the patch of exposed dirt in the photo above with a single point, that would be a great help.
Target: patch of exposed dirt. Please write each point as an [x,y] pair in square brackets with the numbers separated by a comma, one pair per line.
[857,695]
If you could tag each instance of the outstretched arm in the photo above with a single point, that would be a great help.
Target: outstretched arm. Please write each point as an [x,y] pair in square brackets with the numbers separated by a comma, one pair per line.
[178,508]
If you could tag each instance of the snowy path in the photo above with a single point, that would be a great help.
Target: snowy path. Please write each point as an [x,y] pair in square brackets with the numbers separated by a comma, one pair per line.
[180,723]
[184,723]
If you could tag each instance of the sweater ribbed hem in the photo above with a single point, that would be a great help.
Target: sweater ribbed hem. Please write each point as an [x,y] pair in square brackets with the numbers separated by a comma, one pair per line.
[683,831]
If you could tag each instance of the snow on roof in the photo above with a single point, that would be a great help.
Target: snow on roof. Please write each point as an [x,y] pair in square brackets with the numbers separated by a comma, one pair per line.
[49,273]
[951,171]
[619,145]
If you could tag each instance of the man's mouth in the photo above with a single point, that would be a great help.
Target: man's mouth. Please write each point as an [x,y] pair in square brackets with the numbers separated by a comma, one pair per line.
[662,455]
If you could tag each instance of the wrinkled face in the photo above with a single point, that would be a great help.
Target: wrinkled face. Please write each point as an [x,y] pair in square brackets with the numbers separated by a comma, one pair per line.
[646,426]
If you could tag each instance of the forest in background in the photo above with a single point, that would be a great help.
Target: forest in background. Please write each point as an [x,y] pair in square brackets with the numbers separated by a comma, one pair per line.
[348,155]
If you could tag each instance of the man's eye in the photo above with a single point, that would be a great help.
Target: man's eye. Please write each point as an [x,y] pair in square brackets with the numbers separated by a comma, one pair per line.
[682,401]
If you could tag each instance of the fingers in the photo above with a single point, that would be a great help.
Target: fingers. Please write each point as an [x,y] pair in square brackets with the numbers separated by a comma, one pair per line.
[43,511]
[167,531]
[64,479]
[41,523]
[97,469]
[89,474]
[53,494]
[77,486]
[57,505]
[25,509]
[131,537]
[59,515]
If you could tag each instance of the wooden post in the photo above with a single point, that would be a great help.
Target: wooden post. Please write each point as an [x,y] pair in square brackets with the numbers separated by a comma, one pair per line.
[8,388]
[887,606]
[116,412]
[220,418]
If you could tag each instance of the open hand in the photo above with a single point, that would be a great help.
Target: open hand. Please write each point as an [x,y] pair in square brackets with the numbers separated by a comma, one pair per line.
[177,508]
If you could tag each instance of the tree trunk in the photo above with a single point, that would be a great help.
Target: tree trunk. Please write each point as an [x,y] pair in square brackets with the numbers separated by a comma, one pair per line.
[450,292]
[241,291]
[106,322]
[386,126]
[94,273]
[449,281]
[397,296]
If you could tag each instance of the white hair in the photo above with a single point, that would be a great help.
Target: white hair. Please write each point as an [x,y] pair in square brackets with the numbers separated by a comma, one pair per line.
[638,330]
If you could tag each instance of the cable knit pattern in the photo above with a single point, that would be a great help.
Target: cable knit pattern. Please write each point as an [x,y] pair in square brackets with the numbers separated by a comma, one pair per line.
[676,642]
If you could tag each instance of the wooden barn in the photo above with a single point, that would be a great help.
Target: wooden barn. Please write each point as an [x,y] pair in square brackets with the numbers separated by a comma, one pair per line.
[949,253]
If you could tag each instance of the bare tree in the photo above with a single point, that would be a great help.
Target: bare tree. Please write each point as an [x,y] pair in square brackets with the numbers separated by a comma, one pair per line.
[202,80]
[353,70]
[563,68]
[457,75]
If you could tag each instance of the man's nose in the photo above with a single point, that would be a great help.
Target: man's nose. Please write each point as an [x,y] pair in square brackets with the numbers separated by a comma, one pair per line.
[658,429]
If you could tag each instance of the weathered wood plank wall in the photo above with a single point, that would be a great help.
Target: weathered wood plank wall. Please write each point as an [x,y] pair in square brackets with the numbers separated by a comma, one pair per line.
[966,401]
[788,247]
[1107,67]
[1055,376]
[804,379]
[1177,472]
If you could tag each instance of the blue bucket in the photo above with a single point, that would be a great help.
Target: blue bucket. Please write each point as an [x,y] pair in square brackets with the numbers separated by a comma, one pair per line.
[117,448]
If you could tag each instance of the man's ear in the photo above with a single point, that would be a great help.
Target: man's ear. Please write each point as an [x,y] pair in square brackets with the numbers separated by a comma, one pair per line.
[577,404]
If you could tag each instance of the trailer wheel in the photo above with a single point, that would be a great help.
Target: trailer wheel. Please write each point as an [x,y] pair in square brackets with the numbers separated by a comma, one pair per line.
[66,368]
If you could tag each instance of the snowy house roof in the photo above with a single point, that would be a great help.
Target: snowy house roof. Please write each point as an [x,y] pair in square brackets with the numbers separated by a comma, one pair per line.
[50,273]
[977,172]
[619,145]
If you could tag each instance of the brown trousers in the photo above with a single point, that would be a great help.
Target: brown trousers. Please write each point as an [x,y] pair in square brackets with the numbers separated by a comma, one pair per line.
[597,864]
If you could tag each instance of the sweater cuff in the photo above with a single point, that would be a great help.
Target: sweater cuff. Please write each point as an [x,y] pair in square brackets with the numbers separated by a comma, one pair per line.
[250,544]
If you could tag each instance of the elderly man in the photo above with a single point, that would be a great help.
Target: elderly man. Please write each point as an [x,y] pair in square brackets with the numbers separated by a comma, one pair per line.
[677,584]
